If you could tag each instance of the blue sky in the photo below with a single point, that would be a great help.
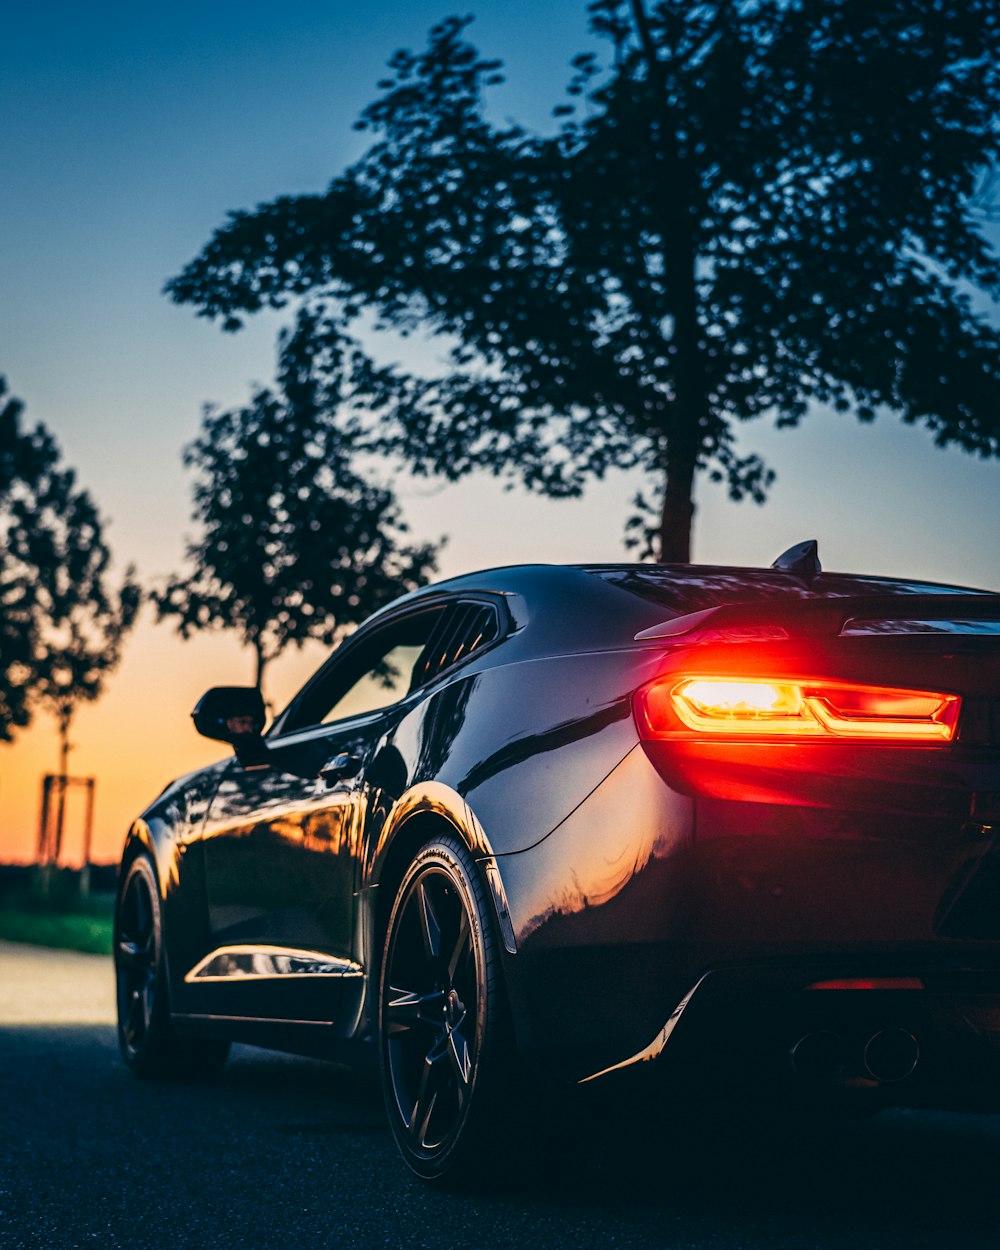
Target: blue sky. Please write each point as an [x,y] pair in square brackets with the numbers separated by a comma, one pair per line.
[127,132]
[130,130]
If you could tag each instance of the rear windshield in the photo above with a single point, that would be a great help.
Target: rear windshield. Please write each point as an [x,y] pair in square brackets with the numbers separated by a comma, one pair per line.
[691,588]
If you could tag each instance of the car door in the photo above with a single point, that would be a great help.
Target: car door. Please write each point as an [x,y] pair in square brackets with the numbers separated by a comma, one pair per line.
[281,841]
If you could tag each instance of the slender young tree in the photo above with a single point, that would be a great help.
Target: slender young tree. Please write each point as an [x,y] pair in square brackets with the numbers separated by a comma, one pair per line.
[764,205]
[62,619]
[27,459]
[294,542]
[85,643]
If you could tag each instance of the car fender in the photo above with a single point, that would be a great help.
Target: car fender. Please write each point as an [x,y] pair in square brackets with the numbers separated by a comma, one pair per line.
[139,840]
[167,831]
[434,799]
[428,798]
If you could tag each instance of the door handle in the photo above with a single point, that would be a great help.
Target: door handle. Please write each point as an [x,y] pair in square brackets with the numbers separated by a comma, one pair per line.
[340,768]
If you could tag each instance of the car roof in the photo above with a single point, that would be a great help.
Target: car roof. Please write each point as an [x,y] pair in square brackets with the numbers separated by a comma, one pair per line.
[596,603]
[691,587]
[694,587]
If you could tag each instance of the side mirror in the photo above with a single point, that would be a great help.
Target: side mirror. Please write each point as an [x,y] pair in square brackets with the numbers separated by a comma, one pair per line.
[233,714]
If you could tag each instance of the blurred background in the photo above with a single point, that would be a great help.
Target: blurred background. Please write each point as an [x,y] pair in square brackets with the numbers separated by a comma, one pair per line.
[128,134]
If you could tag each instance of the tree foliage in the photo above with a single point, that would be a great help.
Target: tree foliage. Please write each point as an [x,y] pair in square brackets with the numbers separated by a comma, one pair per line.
[295,543]
[762,205]
[62,621]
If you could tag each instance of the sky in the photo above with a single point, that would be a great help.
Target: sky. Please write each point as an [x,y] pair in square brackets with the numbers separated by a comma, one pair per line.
[127,132]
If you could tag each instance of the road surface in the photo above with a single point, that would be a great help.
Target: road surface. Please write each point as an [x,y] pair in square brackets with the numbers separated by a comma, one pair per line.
[287,1152]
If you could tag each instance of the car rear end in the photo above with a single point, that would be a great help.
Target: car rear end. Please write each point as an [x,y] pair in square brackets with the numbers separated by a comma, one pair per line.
[791,881]
[842,884]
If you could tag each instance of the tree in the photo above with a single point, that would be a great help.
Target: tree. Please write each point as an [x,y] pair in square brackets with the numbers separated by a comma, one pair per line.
[62,622]
[765,205]
[26,460]
[89,621]
[294,543]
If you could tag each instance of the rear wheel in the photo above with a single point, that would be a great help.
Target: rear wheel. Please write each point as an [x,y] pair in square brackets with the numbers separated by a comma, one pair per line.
[444,1040]
[146,1037]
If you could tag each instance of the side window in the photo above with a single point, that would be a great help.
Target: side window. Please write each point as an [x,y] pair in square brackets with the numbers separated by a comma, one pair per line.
[384,667]
[374,673]
[385,683]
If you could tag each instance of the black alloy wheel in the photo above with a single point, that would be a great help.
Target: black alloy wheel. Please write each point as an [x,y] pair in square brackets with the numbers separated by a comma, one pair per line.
[146,1037]
[443,1037]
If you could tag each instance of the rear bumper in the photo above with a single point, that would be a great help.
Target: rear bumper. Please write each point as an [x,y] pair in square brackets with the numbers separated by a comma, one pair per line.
[647,890]
[796,1033]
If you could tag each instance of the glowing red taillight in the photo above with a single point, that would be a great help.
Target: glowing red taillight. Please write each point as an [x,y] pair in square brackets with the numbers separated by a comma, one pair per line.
[801,708]
[869,983]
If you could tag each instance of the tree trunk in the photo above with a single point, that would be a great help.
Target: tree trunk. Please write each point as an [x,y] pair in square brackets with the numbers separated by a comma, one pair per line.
[259,666]
[688,410]
[678,511]
[689,407]
[261,661]
[64,750]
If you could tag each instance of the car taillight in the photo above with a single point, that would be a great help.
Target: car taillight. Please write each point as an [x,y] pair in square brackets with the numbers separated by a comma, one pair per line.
[814,709]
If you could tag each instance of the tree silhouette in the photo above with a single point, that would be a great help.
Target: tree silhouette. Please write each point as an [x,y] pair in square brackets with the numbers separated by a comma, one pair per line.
[89,621]
[763,205]
[62,622]
[26,461]
[295,544]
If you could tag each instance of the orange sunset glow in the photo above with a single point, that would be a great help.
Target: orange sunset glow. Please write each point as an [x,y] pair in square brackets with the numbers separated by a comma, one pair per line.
[139,735]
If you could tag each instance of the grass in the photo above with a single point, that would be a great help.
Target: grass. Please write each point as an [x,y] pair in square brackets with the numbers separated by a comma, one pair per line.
[45,908]
[72,931]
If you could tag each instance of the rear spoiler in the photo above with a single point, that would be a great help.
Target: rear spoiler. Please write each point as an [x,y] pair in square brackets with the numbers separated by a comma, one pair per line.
[774,620]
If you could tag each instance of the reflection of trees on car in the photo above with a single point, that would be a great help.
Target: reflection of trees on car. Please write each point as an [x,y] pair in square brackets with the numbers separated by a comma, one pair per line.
[761,208]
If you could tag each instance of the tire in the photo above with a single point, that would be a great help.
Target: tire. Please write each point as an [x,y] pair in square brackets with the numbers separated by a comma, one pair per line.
[444,1038]
[146,1037]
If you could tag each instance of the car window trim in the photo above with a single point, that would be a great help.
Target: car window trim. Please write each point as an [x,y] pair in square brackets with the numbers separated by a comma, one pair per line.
[310,733]
[365,634]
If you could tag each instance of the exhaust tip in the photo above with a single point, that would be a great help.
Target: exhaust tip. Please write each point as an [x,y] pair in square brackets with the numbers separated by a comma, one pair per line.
[819,1057]
[891,1055]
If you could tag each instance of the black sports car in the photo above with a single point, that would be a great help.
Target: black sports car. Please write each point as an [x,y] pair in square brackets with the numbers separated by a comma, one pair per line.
[559,823]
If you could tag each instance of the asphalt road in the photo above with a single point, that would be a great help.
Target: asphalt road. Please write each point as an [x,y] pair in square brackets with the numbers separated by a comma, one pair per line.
[286,1152]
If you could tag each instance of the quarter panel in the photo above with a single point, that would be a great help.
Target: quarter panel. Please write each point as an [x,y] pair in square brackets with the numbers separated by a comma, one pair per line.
[601,913]
[525,743]
[646,887]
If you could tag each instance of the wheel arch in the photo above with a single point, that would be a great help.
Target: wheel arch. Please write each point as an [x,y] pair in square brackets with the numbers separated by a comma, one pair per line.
[138,841]
[153,840]
[426,811]
[142,839]
[447,1084]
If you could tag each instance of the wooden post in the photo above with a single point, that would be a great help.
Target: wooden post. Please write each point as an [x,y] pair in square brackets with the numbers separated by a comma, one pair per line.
[44,878]
[88,838]
[41,854]
[63,785]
